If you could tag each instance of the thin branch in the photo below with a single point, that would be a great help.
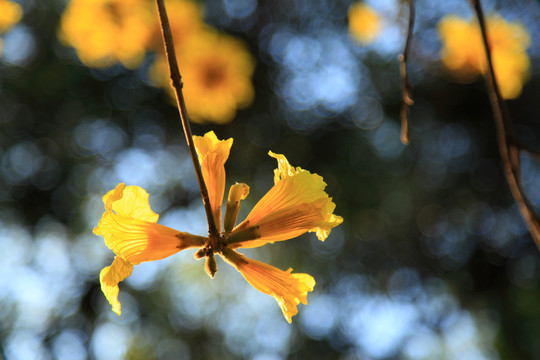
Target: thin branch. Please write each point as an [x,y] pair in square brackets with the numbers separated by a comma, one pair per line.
[407,87]
[176,81]
[508,146]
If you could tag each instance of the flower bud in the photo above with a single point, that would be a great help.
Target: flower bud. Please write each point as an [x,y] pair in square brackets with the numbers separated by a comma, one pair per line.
[200,253]
[210,266]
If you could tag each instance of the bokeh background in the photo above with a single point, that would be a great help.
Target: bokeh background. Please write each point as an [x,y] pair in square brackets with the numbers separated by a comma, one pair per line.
[432,261]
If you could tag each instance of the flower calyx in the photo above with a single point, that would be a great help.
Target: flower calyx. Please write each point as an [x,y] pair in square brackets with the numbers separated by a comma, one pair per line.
[213,244]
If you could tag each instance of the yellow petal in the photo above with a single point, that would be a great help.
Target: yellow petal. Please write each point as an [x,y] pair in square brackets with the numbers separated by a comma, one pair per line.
[138,241]
[130,201]
[127,232]
[109,278]
[287,288]
[284,169]
[295,204]
[213,153]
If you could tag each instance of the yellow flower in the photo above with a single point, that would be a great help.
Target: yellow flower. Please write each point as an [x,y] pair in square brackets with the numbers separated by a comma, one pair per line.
[10,14]
[104,32]
[295,205]
[364,23]
[464,56]
[216,70]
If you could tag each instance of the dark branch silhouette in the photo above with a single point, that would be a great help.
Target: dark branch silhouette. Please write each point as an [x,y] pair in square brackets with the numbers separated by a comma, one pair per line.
[176,80]
[509,147]
[406,86]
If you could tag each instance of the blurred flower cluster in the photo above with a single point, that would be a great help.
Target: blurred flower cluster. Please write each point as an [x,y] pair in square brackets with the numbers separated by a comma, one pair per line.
[464,56]
[216,68]
[364,23]
[10,14]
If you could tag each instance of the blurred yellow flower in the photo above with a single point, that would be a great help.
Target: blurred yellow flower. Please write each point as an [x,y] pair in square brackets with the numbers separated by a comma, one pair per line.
[104,32]
[185,19]
[464,56]
[364,23]
[295,205]
[10,14]
[216,70]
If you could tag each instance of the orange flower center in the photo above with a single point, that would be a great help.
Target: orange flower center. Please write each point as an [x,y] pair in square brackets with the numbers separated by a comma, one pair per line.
[213,75]
[113,9]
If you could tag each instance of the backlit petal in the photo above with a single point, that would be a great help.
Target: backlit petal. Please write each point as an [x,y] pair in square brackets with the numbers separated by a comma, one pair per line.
[297,203]
[109,278]
[287,288]
[136,240]
[213,153]
[130,201]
